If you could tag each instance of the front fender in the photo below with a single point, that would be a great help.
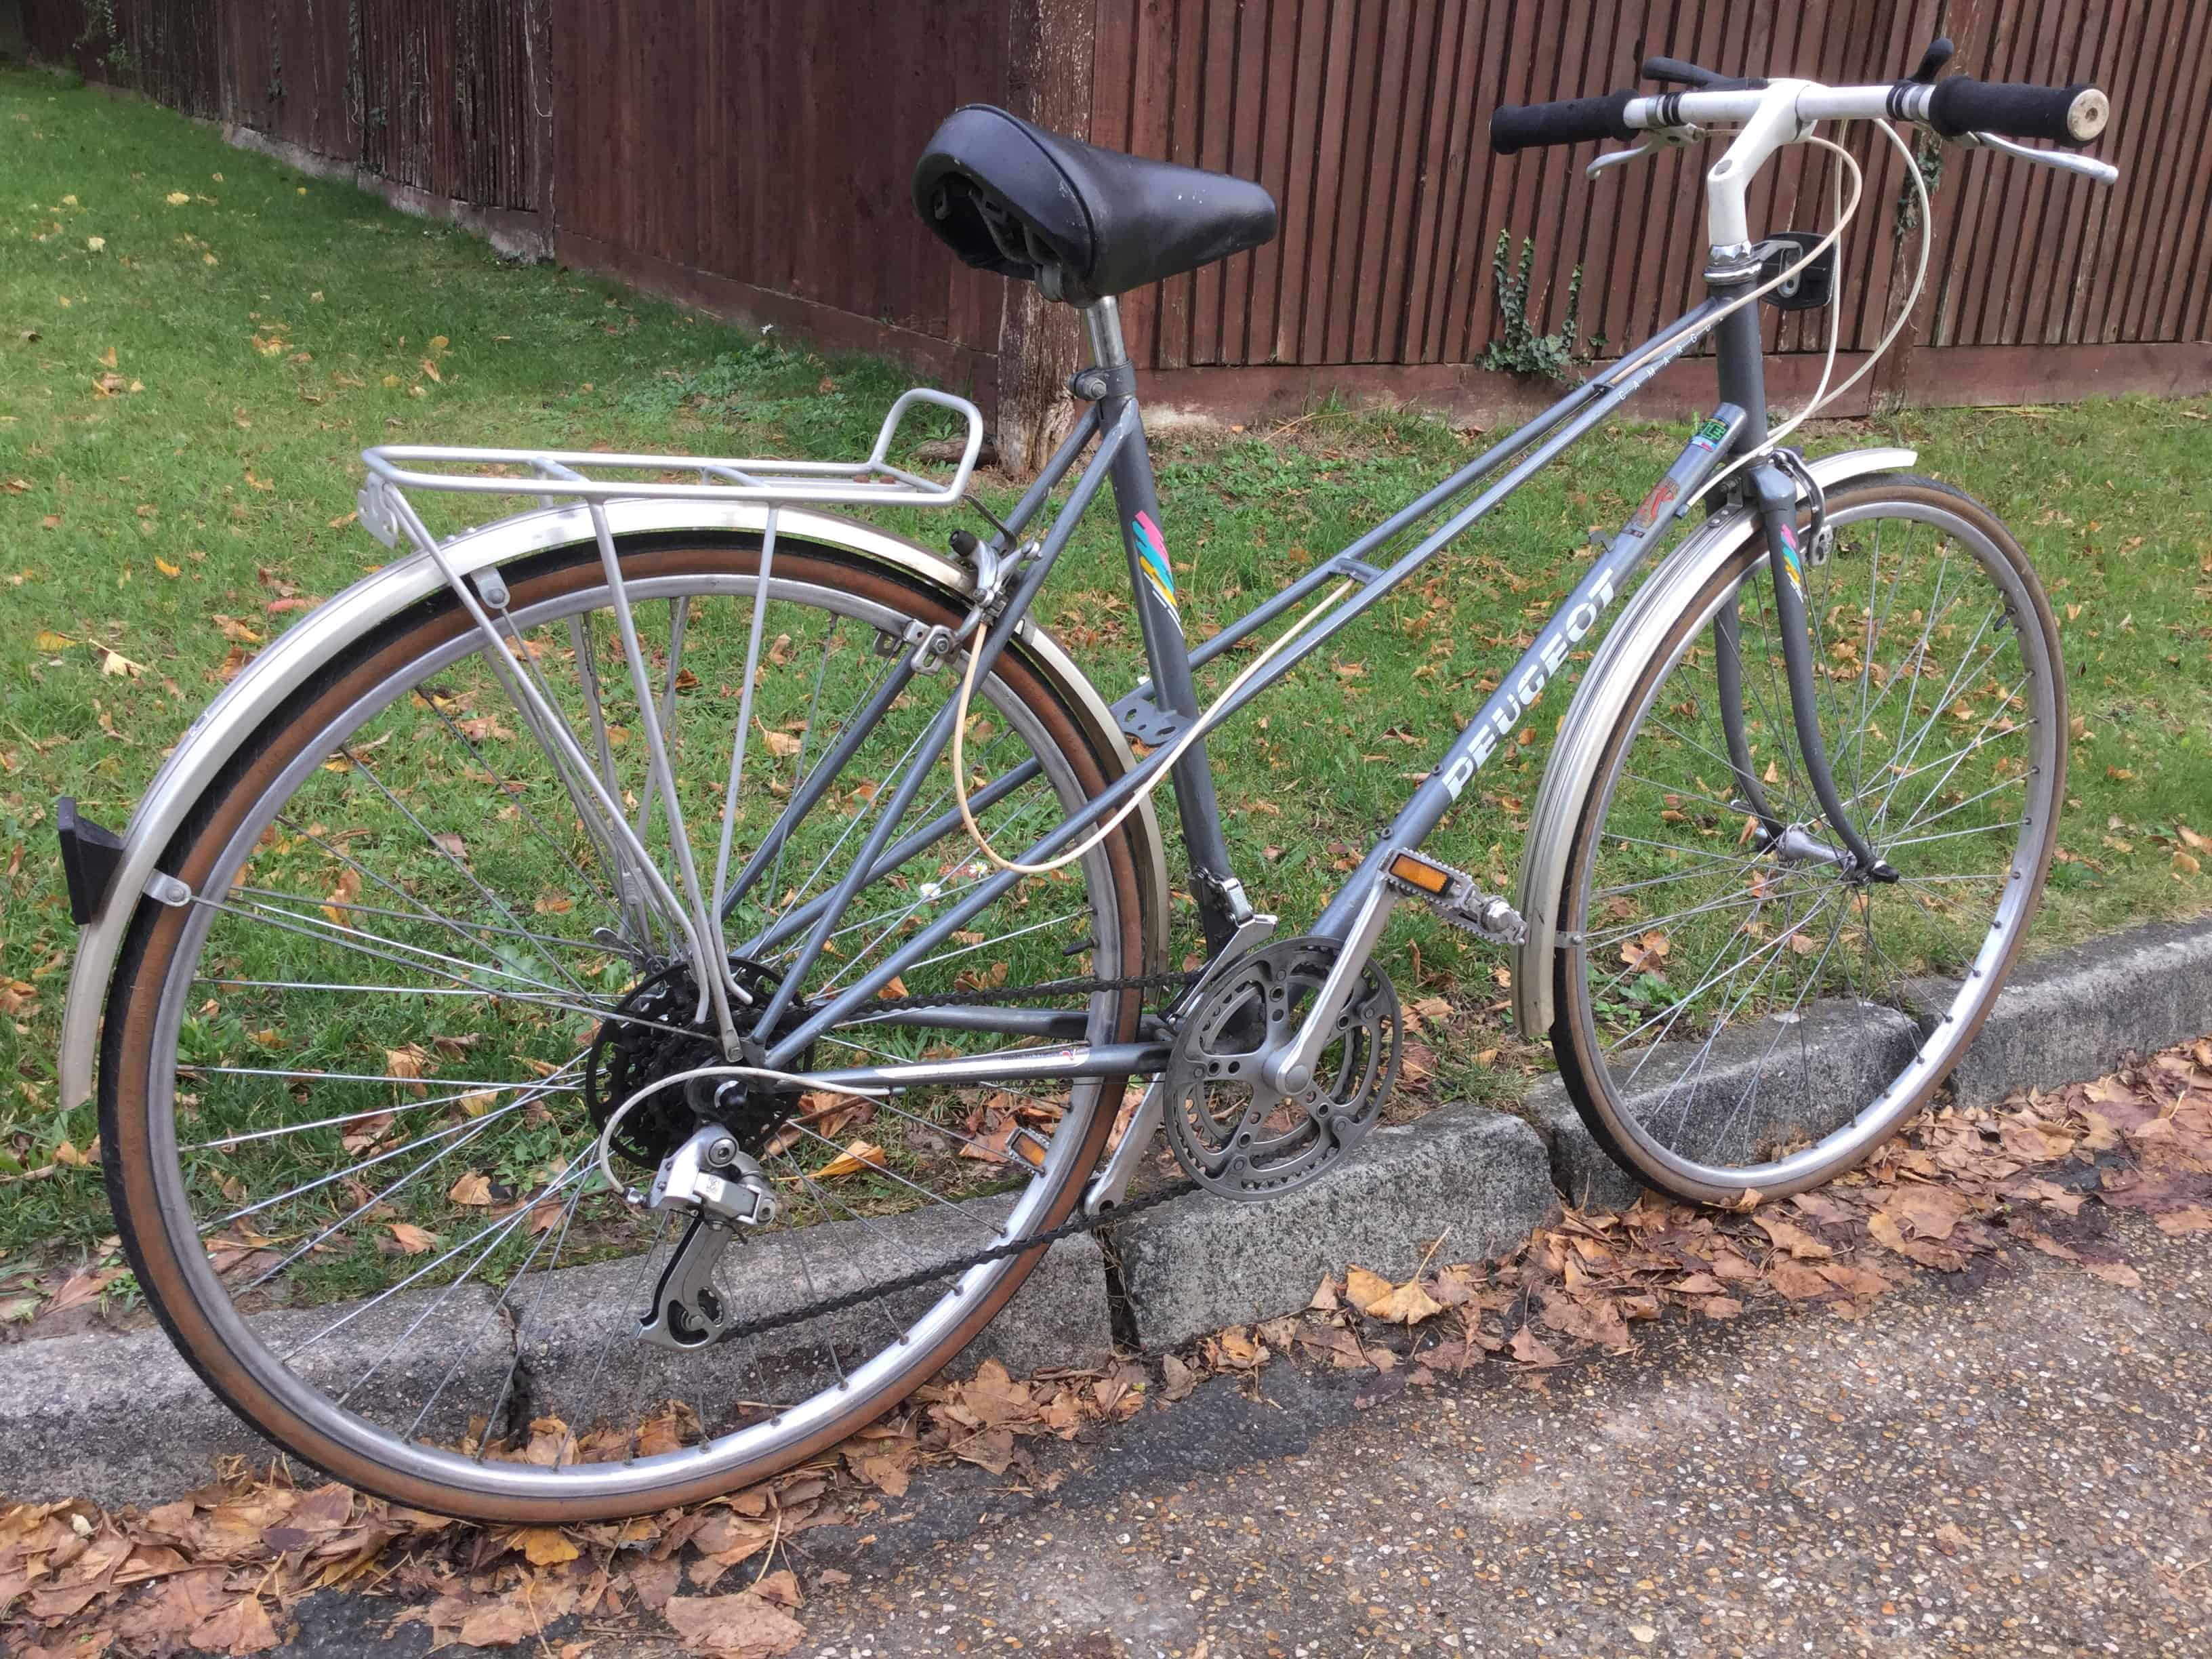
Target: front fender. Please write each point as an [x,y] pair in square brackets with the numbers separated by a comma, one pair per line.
[286,663]
[1599,701]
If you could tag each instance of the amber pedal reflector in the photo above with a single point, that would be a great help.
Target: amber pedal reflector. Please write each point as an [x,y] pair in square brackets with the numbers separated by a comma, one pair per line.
[1420,872]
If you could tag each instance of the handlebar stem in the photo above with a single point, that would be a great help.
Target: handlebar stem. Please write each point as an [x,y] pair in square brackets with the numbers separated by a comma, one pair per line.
[1772,124]
[1769,117]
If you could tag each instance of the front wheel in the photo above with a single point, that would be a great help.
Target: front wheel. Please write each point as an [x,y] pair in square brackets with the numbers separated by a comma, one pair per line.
[1734,1011]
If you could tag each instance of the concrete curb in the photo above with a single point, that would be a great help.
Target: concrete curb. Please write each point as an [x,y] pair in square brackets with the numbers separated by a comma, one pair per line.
[1476,1178]
[2075,1015]
[120,1417]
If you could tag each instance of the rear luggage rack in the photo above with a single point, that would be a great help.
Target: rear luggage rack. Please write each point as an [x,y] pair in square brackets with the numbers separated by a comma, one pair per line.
[557,475]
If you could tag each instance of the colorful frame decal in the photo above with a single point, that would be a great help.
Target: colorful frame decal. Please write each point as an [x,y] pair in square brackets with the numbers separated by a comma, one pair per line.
[1152,561]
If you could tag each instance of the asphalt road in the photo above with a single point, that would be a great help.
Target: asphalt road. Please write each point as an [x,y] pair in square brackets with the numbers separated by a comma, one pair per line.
[2015,1460]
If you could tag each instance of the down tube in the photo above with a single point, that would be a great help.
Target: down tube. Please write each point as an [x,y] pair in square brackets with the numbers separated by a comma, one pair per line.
[1518,691]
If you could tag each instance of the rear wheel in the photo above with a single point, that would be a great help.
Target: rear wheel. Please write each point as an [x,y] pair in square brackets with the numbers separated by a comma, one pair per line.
[351,1092]
[1734,1012]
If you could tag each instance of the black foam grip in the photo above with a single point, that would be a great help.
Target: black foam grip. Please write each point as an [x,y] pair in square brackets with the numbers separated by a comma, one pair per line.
[1569,121]
[2010,108]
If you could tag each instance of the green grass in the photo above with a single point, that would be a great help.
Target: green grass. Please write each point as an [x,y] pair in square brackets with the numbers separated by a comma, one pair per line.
[184,385]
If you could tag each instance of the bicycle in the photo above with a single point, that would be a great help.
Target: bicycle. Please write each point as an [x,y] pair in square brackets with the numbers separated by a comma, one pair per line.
[482,1144]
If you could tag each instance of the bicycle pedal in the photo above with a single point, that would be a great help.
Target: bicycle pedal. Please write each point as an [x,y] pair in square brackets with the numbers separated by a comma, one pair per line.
[1454,897]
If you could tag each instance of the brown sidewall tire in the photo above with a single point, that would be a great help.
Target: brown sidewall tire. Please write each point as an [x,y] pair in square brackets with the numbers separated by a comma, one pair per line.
[134,996]
[1576,1064]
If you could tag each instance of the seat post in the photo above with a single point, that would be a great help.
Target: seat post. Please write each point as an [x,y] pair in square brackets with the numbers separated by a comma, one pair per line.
[1102,320]
[1221,901]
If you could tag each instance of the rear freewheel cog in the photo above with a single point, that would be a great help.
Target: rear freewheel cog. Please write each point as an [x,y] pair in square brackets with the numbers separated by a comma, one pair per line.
[1237,1134]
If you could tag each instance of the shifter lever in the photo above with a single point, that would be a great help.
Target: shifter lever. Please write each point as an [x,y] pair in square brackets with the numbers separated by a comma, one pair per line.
[1665,70]
[1932,60]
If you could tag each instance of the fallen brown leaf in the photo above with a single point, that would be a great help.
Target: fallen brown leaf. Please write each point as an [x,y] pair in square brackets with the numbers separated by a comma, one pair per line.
[1363,1289]
[1532,1350]
[1408,1304]
[740,1626]
[1180,1378]
[858,1156]
[1795,1239]
[241,1627]
[1927,1212]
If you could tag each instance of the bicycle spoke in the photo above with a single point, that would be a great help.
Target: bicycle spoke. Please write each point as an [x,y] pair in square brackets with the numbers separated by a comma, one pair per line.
[453,861]
[537,829]
[471,1128]
[343,1119]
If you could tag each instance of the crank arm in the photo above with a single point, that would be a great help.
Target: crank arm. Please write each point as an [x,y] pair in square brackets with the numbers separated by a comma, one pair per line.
[1292,1071]
[1110,1186]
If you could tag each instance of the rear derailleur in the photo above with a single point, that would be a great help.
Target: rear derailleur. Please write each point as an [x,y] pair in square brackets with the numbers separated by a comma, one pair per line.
[722,1188]
[703,1137]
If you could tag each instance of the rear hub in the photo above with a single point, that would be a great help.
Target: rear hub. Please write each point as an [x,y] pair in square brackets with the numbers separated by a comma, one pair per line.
[653,1034]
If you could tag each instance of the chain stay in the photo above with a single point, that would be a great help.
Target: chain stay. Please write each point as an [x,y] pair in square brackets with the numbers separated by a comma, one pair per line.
[1075,1225]
[1038,993]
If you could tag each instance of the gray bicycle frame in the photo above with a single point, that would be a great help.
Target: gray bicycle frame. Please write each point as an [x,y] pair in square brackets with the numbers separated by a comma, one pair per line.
[1163,707]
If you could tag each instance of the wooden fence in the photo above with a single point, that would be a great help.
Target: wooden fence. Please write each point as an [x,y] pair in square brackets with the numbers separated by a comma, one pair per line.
[754,159]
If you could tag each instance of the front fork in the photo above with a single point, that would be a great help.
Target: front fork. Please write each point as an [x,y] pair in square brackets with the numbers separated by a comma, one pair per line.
[1774,493]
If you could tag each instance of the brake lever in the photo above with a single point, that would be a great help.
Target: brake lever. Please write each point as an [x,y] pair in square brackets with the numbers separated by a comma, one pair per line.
[1653,142]
[2103,171]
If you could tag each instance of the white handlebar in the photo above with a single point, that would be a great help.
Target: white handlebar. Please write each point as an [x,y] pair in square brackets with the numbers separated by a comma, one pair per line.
[1781,112]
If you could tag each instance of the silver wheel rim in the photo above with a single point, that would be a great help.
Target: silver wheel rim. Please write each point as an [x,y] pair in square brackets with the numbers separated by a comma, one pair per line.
[1943,1033]
[864,1388]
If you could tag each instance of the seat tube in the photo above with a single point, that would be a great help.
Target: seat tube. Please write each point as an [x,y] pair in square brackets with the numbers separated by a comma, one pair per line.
[1221,901]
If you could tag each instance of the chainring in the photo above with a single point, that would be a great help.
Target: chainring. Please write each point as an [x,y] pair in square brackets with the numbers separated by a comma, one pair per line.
[1233,1131]
[651,1035]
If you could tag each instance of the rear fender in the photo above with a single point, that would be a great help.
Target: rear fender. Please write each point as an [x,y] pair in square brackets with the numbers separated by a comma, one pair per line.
[286,663]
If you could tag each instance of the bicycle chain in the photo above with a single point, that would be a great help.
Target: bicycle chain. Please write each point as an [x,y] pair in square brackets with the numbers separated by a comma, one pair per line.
[1073,1227]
